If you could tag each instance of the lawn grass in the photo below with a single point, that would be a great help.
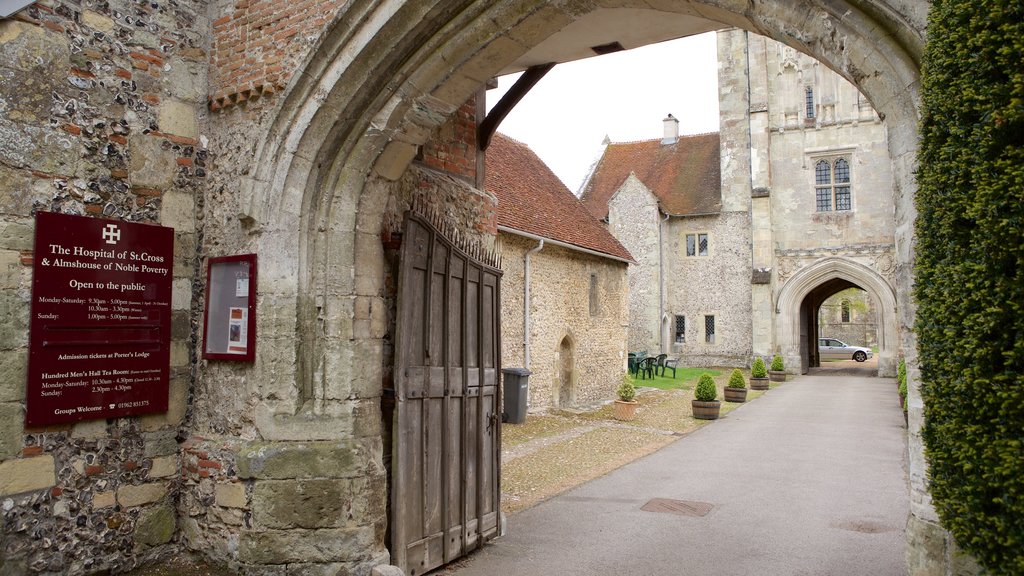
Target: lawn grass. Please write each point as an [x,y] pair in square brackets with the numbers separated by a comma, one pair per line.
[686,378]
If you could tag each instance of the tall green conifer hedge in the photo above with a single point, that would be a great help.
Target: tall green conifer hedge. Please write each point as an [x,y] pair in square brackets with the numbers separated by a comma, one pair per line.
[969,280]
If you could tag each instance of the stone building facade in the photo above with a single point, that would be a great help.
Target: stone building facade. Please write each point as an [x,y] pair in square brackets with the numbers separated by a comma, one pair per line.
[691,256]
[821,193]
[718,245]
[578,290]
[301,132]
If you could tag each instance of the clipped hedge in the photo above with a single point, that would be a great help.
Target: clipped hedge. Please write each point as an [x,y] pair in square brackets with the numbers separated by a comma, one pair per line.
[758,370]
[968,278]
[705,390]
[736,379]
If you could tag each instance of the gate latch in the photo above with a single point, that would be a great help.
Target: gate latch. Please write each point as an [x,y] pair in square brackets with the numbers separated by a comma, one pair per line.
[492,419]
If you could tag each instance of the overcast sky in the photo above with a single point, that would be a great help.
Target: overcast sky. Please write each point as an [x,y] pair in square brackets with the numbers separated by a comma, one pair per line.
[624,95]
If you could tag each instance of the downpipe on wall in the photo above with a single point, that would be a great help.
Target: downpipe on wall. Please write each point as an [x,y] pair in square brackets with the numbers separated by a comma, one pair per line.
[526,302]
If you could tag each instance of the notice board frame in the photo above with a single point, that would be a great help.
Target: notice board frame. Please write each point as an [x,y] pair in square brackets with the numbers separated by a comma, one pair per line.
[100,327]
[229,317]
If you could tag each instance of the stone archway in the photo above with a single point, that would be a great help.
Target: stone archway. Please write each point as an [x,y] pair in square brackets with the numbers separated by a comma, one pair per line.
[345,130]
[381,80]
[802,294]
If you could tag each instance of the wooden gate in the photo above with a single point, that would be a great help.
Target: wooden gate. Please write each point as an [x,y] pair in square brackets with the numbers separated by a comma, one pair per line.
[447,427]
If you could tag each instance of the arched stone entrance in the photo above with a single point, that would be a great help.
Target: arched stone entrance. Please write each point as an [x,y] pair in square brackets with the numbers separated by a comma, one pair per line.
[386,75]
[801,296]
[566,370]
[381,80]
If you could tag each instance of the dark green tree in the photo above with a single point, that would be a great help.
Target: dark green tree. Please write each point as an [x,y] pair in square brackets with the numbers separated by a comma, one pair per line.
[969,284]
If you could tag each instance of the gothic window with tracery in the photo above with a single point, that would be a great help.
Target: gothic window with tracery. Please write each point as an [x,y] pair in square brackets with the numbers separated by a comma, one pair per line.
[832,184]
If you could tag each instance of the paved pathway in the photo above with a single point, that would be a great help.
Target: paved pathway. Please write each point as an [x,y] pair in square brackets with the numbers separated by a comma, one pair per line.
[808,480]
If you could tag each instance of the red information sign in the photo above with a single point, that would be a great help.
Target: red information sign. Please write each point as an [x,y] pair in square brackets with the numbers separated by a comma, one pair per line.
[101,319]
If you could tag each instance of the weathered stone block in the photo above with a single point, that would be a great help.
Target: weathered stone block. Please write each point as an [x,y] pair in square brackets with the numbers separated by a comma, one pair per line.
[231,495]
[89,429]
[38,147]
[17,234]
[331,569]
[97,21]
[14,329]
[132,495]
[21,190]
[302,503]
[926,548]
[12,418]
[164,467]
[25,475]
[178,210]
[39,61]
[102,500]
[179,118]
[181,296]
[176,406]
[386,570]
[150,164]
[155,525]
[13,372]
[161,443]
[318,546]
[186,80]
[280,461]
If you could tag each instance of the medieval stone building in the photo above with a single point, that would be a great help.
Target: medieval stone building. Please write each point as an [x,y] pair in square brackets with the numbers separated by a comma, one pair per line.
[339,143]
[570,269]
[737,261]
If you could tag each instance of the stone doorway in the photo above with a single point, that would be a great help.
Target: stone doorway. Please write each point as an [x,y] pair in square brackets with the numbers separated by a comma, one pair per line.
[566,374]
[800,301]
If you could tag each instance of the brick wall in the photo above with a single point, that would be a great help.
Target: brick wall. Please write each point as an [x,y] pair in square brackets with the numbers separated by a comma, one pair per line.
[258,44]
[454,148]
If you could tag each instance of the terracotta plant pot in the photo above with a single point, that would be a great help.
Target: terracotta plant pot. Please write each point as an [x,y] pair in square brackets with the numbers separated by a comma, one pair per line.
[706,410]
[758,383]
[735,394]
[625,411]
[776,376]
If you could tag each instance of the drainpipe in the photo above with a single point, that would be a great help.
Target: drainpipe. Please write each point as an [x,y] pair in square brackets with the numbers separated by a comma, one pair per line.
[526,303]
[661,280]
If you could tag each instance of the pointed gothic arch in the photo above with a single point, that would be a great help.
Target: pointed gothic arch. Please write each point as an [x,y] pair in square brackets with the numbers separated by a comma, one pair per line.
[380,81]
[795,309]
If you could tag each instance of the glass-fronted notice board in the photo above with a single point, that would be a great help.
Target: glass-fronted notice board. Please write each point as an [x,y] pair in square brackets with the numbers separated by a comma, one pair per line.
[230,326]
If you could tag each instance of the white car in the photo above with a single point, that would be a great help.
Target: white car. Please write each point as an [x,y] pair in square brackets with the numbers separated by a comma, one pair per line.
[832,349]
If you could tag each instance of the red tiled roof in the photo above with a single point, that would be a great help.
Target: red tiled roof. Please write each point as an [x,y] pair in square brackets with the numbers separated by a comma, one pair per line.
[685,176]
[532,199]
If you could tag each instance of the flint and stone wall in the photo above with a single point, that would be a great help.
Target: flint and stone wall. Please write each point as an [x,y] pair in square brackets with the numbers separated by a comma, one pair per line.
[565,308]
[714,285]
[633,218]
[103,104]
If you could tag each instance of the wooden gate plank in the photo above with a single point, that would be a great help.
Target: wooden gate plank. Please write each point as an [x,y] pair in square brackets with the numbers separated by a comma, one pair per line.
[446,464]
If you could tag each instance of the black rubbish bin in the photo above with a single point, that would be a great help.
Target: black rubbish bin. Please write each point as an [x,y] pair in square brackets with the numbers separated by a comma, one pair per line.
[516,387]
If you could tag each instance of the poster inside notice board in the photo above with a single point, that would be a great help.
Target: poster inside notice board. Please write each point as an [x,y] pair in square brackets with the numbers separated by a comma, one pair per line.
[100,330]
[229,331]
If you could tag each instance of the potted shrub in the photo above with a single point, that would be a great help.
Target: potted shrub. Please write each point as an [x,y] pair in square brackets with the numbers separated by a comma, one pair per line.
[736,389]
[758,375]
[777,372]
[705,405]
[625,406]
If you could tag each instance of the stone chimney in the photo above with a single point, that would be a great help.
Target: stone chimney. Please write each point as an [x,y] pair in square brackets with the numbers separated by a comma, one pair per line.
[671,130]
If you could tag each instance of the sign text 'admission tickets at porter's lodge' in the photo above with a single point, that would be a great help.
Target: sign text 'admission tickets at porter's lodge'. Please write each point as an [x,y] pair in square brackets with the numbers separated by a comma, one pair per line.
[101,319]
